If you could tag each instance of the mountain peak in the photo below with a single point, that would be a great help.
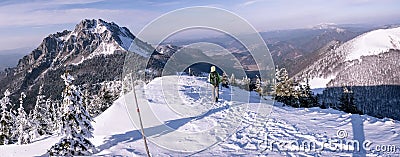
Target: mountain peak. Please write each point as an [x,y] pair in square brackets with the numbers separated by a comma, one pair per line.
[106,32]
[90,38]
[95,26]
[331,26]
[325,26]
[373,43]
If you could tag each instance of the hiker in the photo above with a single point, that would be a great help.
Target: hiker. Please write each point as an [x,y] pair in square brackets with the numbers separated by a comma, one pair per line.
[214,79]
[225,81]
[190,72]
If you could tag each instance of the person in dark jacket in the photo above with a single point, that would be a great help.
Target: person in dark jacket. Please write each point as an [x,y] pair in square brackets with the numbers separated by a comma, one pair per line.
[214,80]
[225,81]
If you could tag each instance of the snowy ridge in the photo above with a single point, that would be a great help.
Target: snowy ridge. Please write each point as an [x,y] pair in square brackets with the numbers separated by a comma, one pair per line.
[329,26]
[139,50]
[126,42]
[373,43]
[115,135]
[335,62]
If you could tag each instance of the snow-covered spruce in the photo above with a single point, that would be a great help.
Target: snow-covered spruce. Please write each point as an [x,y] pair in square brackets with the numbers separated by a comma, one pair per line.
[76,126]
[6,119]
[291,92]
[40,120]
[96,103]
[23,125]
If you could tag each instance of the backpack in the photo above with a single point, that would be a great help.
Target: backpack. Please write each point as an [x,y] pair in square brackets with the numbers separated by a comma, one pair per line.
[214,78]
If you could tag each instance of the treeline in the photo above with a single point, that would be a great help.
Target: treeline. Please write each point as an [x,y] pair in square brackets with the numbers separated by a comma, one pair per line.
[296,93]
[293,93]
[16,126]
[378,101]
[299,94]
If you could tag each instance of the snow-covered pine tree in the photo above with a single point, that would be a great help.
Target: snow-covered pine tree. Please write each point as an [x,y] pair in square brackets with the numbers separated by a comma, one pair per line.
[39,114]
[105,98]
[6,119]
[285,91]
[258,88]
[76,125]
[93,104]
[306,96]
[22,123]
[232,80]
[59,112]
[127,84]
[50,116]
[87,101]
[33,129]
[268,87]
[347,102]
[245,82]
[13,127]
[108,93]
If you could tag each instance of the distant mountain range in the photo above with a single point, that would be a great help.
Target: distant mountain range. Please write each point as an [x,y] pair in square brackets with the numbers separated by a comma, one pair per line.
[96,50]
[289,48]
[367,60]
[367,65]
[364,59]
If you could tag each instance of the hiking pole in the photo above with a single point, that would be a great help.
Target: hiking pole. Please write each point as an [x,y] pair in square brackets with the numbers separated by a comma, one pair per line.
[140,119]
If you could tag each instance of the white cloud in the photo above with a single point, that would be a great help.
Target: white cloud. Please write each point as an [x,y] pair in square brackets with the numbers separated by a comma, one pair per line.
[167,3]
[74,1]
[250,2]
[35,13]
[46,17]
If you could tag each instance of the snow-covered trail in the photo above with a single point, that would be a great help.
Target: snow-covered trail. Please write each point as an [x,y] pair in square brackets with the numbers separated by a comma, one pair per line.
[180,120]
[187,121]
[181,117]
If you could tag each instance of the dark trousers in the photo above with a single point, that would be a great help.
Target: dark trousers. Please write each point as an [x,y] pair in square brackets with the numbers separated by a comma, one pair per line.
[215,92]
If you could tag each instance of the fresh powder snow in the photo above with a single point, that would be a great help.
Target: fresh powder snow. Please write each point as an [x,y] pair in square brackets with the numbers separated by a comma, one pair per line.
[373,43]
[238,125]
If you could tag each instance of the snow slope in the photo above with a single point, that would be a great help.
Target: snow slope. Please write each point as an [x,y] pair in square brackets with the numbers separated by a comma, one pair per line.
[179,120]
[373,43]
[330,68]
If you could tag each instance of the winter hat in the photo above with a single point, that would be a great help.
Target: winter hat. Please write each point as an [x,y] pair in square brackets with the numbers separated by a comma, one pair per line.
[212,68]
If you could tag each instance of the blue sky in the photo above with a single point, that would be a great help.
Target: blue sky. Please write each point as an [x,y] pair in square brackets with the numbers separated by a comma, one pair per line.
[26,23]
